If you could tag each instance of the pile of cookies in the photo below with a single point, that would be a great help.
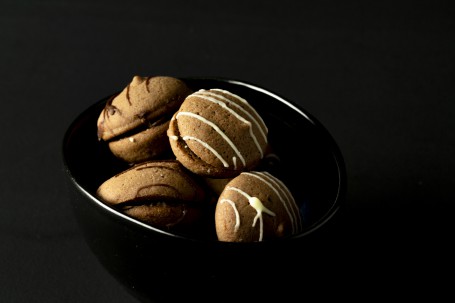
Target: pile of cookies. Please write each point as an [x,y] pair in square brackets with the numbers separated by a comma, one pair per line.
[194,163]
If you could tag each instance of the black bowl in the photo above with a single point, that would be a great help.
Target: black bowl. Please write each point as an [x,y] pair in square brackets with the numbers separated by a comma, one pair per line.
[157,266]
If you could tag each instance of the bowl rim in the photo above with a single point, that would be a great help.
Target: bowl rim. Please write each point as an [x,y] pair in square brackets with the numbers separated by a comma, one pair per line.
[334,149]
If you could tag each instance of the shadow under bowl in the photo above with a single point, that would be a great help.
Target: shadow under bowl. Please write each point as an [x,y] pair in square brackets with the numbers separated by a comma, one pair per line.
[157,266]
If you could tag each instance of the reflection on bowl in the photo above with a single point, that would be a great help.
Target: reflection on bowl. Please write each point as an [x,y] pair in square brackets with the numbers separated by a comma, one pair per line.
[157,266]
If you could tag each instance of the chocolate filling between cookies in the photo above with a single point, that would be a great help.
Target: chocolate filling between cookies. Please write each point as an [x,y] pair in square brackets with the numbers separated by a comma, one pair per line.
[146,124]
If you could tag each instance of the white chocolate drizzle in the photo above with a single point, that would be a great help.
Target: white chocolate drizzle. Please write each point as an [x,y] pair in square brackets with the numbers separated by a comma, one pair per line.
[206,145]
[259,118]
[257,205]
[217,129]
[236,212]
[283,194]
[211,97]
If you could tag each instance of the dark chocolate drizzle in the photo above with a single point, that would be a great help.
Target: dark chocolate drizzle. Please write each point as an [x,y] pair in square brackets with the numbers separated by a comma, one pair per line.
[158,185]
[183,175]
[149,200]
[146,124]
[109,109]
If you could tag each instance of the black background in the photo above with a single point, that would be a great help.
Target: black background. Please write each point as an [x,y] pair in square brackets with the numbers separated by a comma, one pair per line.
[379,75]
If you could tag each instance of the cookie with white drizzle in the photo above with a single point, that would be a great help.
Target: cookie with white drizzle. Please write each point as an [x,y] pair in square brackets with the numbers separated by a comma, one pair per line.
[216,133]
[256,206]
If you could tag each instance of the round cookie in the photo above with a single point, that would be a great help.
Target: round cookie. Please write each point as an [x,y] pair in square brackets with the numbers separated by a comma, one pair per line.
[217,134]
[256,206]
[160,193]
[135,121]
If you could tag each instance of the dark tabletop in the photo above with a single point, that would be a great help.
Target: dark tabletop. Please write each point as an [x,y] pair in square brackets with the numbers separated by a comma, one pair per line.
[379,76]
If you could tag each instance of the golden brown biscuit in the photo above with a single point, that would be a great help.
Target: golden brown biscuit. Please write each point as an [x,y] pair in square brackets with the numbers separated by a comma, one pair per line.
[161,193]
[145,145]
[217,134]
[135,121]
[256,206]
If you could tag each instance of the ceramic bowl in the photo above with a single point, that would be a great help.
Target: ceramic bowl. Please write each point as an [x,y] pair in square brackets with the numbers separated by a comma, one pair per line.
[157,266]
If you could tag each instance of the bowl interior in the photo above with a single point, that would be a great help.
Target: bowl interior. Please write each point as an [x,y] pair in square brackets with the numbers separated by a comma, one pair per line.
[307,159]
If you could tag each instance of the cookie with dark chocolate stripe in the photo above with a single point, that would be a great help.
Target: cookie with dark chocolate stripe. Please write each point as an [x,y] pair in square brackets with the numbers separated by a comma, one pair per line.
[135,121]
[161,193]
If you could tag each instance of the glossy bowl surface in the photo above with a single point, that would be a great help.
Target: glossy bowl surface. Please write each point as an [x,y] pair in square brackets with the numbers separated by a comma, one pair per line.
[157,266]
